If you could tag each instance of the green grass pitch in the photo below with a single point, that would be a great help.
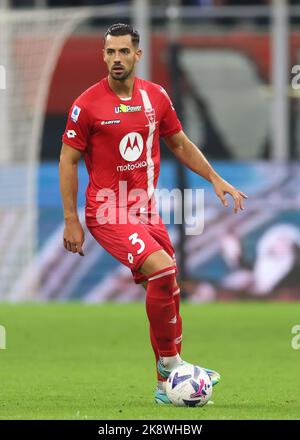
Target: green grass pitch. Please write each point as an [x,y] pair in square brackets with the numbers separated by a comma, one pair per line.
[78,361]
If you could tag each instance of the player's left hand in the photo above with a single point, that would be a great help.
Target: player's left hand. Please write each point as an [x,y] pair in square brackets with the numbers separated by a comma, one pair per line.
[222,188]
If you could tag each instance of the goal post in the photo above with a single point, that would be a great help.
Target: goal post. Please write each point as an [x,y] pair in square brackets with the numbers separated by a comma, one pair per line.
[31,42]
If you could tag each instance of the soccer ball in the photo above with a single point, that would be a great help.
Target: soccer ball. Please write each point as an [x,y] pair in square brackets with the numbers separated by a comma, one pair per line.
[189,385]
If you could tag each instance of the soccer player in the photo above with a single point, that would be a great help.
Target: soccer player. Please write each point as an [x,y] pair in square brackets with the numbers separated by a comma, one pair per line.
[116,124]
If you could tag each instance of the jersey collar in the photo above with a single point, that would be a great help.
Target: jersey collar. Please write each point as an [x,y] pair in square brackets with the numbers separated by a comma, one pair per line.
[111,92]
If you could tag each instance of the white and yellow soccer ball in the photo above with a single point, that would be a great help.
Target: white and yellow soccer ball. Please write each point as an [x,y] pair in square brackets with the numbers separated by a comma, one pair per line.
[189,385]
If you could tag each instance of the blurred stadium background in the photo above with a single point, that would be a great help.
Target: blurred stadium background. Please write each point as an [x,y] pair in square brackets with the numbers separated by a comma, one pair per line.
[228,67]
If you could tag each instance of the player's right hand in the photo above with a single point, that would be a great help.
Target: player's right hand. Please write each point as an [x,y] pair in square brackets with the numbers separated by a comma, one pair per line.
[74,236]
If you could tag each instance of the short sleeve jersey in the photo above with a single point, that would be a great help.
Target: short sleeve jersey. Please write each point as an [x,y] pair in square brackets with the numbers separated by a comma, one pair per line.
[120,138]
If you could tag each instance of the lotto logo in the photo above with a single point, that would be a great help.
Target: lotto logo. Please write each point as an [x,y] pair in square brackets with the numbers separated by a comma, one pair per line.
[71,133]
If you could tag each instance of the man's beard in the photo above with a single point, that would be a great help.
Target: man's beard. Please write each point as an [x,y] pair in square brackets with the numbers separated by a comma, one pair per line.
[121,77]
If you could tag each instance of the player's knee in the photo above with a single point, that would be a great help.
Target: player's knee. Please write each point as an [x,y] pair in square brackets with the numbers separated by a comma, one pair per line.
[155,262]
[176,288]
[161,283]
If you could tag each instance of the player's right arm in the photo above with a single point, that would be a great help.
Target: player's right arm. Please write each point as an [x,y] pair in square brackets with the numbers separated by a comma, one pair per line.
[73,232]
[75,140]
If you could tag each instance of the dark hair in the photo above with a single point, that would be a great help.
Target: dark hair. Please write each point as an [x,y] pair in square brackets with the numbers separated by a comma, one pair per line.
[118,29]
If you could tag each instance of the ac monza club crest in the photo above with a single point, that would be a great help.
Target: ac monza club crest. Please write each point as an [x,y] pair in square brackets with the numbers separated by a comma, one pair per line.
[131,146]
[150,115]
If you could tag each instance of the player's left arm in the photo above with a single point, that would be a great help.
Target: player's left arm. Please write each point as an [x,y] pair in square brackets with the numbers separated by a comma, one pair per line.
[189,155]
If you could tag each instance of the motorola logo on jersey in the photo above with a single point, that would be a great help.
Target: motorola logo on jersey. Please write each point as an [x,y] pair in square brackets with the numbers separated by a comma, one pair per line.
[131,146]
[132,166]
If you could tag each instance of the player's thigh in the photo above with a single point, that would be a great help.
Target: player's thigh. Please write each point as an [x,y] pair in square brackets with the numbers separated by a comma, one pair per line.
[164,258]
[160,234]
[130,244]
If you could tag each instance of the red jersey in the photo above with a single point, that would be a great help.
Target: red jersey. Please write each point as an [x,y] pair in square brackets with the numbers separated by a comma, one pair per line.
[120,138]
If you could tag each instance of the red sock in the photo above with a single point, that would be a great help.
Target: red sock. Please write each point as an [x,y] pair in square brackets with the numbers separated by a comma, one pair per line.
[161,310]
[178,340]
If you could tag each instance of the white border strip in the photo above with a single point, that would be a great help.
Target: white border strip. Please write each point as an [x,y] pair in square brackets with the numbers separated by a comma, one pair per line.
[164,274]
[176,292]
[149,143]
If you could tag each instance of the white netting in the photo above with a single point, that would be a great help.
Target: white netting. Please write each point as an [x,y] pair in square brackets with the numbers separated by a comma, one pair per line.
[30,44]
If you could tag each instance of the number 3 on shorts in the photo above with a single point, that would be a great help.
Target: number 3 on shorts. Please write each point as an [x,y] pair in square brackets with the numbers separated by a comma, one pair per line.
[135,240]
